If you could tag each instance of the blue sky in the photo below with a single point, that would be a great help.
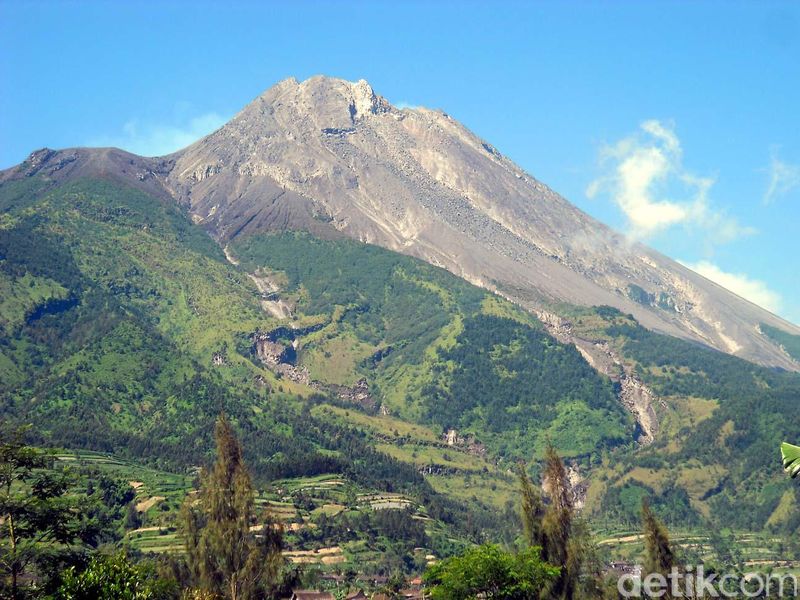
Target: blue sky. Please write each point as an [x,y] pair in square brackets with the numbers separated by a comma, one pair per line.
[676,122]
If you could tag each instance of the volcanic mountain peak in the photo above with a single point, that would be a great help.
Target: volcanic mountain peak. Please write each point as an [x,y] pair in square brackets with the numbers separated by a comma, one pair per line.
[325,101]
[334,158]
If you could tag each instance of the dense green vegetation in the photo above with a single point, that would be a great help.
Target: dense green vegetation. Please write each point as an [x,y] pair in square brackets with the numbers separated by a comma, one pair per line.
[112,305]
[126,366]
[517,383]
[91,566]
[115,576]
[755,407]
[672,504]
[491,572]
[790,343]
[51,517]
[389,299]
[450,354]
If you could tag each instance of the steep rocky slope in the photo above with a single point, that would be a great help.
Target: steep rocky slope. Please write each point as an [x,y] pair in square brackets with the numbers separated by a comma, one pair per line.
[336,159]
[327,153]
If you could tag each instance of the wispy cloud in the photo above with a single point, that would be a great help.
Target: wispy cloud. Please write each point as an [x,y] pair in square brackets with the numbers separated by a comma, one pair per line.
[783,178]
[754,290]
[157,139]
[645,177]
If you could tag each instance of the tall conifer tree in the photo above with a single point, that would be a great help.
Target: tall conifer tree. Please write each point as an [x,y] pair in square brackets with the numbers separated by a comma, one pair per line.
[557,523]
[658,552]
[532,510]
[228,558]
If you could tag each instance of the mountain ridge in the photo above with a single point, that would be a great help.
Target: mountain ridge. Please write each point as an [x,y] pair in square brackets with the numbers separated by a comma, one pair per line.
[336,159]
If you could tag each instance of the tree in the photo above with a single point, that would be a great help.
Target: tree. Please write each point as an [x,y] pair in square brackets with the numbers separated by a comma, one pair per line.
[225,556]
[658,553]
[532,509]
[564,538]
[557,521]
[132,518]
[557,527]
[114,577]
[489,572]
[37,515]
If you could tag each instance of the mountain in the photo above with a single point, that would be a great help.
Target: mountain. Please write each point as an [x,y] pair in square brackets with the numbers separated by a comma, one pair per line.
[335,159]
[327,154]
[125,328]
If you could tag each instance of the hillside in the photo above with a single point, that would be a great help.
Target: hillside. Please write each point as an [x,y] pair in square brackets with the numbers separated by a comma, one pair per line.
[433,349]
[126,329]
[713,458]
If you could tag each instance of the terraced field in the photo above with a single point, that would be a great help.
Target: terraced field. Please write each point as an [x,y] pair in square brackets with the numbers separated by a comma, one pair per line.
[302,505]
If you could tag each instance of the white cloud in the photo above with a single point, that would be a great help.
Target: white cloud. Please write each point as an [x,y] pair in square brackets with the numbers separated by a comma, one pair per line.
[751,289]
[645,172]
[158,139]
[783,178]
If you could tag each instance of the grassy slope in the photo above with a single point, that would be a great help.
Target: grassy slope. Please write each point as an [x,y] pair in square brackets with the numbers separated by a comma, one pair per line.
[453,356]
[153,300]
[127,367]
[716,457]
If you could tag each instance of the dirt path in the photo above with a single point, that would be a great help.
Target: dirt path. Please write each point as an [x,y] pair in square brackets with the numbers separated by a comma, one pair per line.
[146,505]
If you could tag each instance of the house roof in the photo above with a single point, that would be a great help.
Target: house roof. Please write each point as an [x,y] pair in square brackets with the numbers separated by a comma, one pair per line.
[311,595]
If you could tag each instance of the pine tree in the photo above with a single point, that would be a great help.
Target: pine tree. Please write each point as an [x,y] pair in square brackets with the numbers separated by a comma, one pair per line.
[532,510]
[564,537]
[658,553]
[557,524]
[226,557]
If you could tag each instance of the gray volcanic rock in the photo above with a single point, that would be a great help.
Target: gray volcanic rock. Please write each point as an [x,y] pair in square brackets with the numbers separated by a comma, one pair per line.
[334,158]
[56,166]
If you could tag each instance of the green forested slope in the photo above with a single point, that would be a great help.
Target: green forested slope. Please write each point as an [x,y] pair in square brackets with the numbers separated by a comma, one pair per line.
[723,422]
[113,305]
[452,356]
[126,365]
